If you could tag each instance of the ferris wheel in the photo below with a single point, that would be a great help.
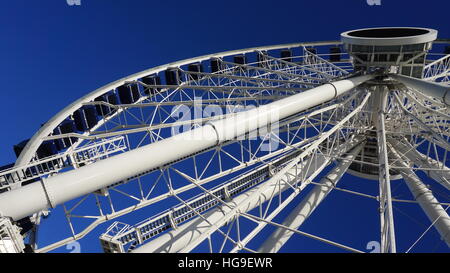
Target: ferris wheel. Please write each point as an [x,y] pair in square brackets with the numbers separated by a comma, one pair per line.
[235,151]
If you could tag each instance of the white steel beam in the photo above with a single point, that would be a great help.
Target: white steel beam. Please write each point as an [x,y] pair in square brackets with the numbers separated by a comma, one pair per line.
[437,69]
[435,90]
[66,186]
[307,206]
[435,169]
[49,126]
[430,205]
[189,235]
[386,212]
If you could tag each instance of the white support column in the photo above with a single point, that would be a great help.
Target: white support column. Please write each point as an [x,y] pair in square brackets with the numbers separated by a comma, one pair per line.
[63,187]
[430,205]
[386,212]
[307,206]
[423,161]
[435,90]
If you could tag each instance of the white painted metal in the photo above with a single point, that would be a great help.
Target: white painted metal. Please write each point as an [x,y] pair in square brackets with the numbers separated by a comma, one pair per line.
[236,84]
[308,204]
[433,168]
[50,125]
[74,158]
[434,90]
[10,238]
[67,186]
[438,69]
[430,205]
[429,35]
[186,237]
[388,243]
[248,121]
[192,233]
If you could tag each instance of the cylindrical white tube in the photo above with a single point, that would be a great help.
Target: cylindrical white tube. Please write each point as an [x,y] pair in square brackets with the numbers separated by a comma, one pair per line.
[432,89]
[66,186]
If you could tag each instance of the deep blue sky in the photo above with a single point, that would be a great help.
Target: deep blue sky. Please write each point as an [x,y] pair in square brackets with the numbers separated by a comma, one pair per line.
[52,53]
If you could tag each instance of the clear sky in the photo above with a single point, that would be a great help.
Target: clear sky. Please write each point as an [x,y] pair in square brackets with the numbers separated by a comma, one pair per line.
[52,53]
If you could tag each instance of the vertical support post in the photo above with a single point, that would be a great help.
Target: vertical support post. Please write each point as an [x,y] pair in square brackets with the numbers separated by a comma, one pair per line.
[385,198]
[423,161]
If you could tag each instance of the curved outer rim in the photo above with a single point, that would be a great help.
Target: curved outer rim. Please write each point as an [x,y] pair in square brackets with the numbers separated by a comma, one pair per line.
[32,145]
[409,40]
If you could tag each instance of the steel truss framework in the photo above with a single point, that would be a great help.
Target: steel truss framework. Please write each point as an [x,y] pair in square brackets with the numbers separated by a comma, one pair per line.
[222,198]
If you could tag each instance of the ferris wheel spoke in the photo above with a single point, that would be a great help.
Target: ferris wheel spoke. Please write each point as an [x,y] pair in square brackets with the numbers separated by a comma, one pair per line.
[308,204]
[428,108]
[304,68]
[430,205]
[218,101]
[256,80]
[388,243]
[145,203]
[333,177]
[239,87]
[254,199]
[271,183]
[429,89]
[434,120]
[433,168]
[321,239]
[427,101]
[131,129]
